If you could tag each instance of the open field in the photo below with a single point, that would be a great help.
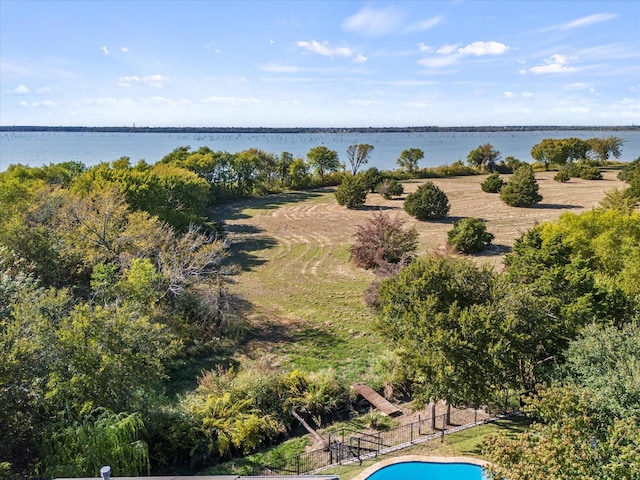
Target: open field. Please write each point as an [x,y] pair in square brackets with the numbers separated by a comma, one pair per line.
[304,298]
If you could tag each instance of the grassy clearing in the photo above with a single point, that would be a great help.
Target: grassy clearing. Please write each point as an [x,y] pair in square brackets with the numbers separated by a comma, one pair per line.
[301,281]
[303,298]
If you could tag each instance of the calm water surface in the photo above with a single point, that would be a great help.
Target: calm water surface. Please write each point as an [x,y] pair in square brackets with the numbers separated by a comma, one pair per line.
[90,148]
[429,471]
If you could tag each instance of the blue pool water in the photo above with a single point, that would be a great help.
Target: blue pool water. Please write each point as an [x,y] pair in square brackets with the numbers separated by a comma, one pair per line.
[429,471]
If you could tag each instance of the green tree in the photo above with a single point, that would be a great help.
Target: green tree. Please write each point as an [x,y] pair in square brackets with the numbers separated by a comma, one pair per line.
[605,147]
[352,192]
[484,157]
[371,178]
[522,189]
[549,151]
[224,424]
[323,161]
[436,312]
[382,240]
[469,235]
[427,202]
[492,184]
[575,149]
[358,155]
[569,440]
[82,449]
[562,176]
[409,158]
[390,187]
[299,174]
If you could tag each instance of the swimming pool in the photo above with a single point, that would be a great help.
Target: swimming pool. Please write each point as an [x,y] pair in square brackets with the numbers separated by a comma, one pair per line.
[425,468]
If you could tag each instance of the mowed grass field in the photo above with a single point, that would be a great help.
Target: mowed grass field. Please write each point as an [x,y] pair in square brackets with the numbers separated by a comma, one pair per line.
[304,299]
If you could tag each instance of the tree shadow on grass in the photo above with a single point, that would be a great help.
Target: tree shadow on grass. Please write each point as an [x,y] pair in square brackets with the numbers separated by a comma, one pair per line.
[235,210]
[376,208]
[555,206]
[242,251]
[450,220]
[494,249]
[317,339]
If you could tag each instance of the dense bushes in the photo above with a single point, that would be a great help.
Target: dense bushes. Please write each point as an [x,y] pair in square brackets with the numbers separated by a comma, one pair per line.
[390,187]
[522,189]
[492,184]
[469,235]
[428,202]
[352,192]
[382,241]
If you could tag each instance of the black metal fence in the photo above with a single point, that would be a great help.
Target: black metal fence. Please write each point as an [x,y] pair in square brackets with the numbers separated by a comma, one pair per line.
[347,446]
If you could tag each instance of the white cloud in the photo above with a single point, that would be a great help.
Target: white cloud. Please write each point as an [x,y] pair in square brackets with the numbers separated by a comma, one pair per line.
[555,64]
[424,25]
[527,94]
[589,20]
[372,22]
[360,59]
[483,48]
[447,49]
[450,54]
[124,50]
[21,90]
[325,49]
[45,90]
[508,94]
[154,81]
[437,62]
[105,50]
[45,104]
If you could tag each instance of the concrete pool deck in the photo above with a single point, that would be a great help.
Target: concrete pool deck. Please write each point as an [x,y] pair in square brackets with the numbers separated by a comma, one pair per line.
[418,458]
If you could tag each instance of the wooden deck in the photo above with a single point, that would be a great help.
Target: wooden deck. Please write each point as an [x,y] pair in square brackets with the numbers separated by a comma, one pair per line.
[377,400]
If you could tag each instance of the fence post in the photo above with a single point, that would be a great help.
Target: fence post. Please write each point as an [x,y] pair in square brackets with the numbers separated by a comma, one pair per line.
[298,464]
[330,451]
[411,430]
[444,426]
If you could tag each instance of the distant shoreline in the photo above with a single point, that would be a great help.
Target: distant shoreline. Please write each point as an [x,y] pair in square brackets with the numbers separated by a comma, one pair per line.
[262,130]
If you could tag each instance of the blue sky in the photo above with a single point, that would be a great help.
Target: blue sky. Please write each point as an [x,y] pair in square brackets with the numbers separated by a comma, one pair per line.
[319,64]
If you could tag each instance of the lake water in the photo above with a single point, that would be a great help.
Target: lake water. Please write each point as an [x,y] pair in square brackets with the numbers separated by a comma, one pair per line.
[440,148]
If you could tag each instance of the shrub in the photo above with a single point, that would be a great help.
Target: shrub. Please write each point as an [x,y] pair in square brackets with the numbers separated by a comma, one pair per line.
[469,235]
[427,202]
[562,176]
[352,192]
[371,178]
[630,171]
[522,189]
[511,163]
[492,184]
[590,173]
[584,171]
[382,240]
[390,187]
